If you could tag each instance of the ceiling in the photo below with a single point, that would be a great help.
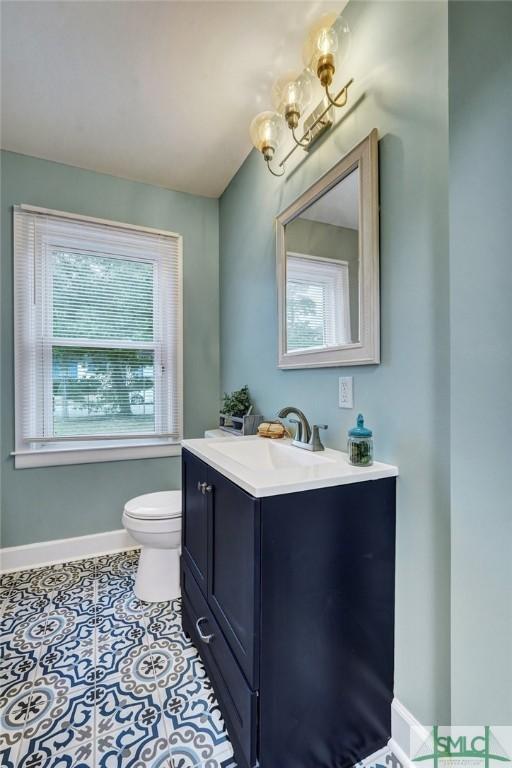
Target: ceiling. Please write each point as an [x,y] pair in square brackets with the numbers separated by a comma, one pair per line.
[161,92]
[340,206]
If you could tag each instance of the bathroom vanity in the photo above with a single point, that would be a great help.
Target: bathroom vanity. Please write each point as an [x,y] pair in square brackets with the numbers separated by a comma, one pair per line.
[287,575]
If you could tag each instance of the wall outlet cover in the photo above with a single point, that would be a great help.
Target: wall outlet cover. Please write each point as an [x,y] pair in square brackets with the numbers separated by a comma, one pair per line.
[346,392]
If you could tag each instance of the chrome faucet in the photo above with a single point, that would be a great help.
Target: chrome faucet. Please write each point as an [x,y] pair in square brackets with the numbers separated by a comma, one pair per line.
[305,437]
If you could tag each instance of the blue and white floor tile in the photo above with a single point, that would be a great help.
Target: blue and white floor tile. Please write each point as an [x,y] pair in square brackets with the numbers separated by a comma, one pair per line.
[91,677]
[143,743]
[15,666]
[61,720]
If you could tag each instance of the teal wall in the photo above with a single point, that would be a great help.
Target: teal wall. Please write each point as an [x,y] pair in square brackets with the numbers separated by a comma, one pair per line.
[401,89]
[57,502]
[481,360]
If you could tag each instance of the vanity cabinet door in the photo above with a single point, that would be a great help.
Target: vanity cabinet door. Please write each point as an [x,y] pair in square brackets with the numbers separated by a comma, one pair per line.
[233,579]
[195,517]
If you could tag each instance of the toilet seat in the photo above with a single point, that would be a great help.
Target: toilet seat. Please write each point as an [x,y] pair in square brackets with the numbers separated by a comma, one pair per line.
[162,505]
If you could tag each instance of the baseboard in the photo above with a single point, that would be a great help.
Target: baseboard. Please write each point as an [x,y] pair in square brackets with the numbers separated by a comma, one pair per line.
[406,731]
[64,550]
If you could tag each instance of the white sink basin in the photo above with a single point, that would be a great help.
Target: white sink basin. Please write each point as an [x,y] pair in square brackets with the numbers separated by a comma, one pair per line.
[266,467]
[269,454]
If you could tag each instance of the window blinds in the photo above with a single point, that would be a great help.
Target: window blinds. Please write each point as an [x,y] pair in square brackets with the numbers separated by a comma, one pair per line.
[98,331]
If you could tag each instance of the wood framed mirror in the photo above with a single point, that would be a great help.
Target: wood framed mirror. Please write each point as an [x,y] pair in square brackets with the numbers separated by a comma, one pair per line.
[327,255]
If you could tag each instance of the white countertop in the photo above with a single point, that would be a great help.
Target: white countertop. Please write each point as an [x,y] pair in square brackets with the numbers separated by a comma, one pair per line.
[265,467]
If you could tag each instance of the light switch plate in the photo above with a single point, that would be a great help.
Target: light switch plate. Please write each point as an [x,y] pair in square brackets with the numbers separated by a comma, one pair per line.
[346,392]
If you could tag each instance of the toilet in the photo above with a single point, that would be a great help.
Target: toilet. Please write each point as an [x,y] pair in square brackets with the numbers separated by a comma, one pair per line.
[154,521]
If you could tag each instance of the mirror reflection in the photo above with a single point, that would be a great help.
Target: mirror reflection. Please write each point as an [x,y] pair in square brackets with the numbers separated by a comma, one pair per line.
[322,270]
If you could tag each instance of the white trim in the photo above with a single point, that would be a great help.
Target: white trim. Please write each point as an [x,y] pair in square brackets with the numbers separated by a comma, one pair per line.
[95,220]
[301,255]
[179,338]
[64,550]
[136,447]
[405,731]
[112,437]
[57,457]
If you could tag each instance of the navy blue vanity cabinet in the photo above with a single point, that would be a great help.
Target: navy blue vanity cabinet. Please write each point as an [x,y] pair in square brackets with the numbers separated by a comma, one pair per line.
[296,624]
[327,625]
[234,569]
[195,518]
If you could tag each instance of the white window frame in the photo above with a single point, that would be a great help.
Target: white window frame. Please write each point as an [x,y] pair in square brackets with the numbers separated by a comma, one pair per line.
[58,452]
[340,310]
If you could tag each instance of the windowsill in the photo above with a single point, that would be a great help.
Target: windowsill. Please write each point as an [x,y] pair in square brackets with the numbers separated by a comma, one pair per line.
[57,456]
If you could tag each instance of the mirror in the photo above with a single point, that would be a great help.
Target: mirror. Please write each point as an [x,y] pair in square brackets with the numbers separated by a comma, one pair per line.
[327,264]
[322,270]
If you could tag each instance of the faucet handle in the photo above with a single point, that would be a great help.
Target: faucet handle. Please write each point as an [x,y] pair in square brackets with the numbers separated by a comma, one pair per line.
[298,433]
[315,442]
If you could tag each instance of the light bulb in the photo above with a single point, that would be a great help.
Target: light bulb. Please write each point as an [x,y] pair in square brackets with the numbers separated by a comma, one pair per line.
[291,95]
[327,41]
[266,130]
[326,45]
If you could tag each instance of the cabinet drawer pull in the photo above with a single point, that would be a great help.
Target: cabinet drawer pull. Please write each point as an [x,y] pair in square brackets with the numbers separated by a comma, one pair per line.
[204,488]
[205,638]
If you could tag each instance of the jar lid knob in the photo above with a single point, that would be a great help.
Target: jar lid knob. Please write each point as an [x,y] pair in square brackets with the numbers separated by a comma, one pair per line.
[360,430]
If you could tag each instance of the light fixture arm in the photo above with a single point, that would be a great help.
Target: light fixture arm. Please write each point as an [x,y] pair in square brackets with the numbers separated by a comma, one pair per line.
[304,141]
[341,97]
[274,173]
[339,101]
[310,130]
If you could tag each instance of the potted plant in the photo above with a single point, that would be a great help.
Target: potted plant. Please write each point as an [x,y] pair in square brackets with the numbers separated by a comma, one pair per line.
[236,414]
[238,403]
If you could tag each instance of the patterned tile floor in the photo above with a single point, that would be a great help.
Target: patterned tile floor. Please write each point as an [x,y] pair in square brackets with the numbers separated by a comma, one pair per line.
[91,677]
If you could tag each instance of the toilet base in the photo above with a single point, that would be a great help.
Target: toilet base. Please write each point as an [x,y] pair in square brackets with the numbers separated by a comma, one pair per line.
[158,575]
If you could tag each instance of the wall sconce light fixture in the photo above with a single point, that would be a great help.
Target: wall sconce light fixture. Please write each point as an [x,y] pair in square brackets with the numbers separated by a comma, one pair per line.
[325,47]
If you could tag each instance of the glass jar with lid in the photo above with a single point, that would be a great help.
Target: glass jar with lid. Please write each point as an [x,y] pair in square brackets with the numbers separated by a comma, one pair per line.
[360,444]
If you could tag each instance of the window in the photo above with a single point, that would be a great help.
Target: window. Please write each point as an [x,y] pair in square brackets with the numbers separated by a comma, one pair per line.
[317,302]
[98,346]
